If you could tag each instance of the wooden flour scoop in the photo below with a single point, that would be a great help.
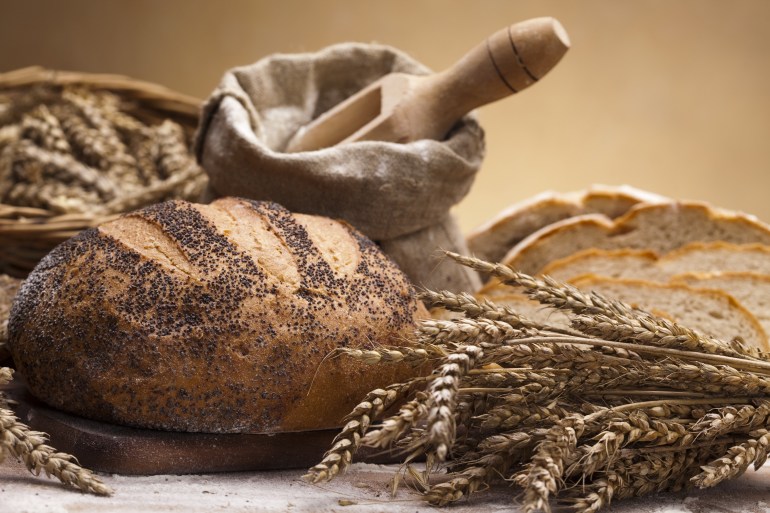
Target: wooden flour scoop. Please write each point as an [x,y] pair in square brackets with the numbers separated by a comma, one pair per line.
[402,108]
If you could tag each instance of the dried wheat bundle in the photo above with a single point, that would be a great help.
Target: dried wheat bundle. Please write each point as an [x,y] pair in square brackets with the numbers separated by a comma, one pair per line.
[75,150]
[620,404]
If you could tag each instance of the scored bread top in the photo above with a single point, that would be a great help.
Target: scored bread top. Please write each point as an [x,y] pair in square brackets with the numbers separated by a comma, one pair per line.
[658,227]
[211,318]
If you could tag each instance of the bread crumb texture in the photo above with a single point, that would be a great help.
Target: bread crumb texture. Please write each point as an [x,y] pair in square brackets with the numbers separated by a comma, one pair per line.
[211,318]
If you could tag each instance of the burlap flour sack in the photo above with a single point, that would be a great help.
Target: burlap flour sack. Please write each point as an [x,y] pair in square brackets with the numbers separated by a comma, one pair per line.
[397,194]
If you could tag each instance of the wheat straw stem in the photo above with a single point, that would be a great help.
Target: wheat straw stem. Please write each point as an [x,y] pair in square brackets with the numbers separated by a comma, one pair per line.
[712,401]
[748,365]
[701,377]
[644,393]
[644,328]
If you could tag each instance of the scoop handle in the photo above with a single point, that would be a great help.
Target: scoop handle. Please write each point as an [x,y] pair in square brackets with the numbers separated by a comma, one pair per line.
[508,61]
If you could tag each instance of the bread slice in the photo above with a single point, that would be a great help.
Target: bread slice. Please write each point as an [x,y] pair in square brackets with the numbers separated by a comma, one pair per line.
[696,257]
[492,240]
[611,263]
[658,227]
[717,256]
[752,290]
[711,312]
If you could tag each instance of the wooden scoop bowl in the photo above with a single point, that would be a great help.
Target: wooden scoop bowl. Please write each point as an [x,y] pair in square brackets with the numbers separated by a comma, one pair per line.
[402,108]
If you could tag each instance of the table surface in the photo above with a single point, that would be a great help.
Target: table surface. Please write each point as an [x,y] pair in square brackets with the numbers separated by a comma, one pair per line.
[365,488]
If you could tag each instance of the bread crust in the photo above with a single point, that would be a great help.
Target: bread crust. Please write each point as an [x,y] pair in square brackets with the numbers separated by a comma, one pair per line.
[211,318]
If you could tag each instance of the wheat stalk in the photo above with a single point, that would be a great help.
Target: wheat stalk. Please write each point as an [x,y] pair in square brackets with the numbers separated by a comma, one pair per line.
[348,441]
[442,398]
[21,442]
[543,475]
[735,461]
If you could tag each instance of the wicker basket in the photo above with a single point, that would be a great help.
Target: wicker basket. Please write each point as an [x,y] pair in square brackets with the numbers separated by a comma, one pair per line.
[28,234]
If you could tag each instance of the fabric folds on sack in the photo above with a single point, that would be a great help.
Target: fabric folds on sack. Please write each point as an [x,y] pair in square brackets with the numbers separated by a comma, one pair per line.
[392,192]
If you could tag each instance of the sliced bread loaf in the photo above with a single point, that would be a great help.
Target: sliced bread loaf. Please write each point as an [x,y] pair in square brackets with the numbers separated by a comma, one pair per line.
[711,312]
[492,240]
[658,227]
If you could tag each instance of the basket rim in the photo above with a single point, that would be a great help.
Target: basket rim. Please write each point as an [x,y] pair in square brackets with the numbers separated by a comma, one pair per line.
[171,100]
[8,211]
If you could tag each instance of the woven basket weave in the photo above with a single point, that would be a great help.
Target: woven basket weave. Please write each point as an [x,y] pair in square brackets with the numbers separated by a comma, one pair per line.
[28,234]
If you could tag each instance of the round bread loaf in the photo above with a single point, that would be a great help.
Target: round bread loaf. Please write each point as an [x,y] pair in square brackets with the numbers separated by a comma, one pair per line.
[211,318]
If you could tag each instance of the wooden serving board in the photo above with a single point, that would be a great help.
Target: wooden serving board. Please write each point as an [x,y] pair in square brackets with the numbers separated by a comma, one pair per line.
[124,450]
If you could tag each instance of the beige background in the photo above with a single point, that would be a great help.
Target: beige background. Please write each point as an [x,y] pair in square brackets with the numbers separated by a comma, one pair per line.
[671,96]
